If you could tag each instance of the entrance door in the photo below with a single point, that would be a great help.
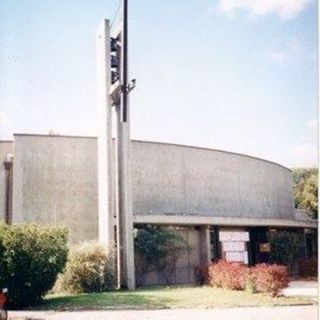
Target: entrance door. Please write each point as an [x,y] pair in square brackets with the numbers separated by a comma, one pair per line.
[258,237]
[186,263]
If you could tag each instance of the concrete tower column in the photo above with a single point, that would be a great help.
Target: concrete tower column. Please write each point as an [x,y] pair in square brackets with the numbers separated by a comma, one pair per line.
[118,193]
[105,143]
[125,218]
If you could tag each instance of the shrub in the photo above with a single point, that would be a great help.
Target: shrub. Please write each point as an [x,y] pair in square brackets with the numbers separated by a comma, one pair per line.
[228,275]
[31,256]
[250,284]
[308,267]
[90,268]
[262,278]
[270,279]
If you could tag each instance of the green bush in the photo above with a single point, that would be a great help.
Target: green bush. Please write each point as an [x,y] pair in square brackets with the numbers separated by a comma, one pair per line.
[31,257]
[90,268]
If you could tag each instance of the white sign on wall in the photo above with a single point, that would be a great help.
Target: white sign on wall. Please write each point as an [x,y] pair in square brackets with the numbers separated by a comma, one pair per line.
[233,246]
[237,256]
[234,236]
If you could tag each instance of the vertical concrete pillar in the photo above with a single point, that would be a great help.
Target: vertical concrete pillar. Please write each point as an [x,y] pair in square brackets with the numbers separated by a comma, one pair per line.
[125,218]
[105,146]
[205,253]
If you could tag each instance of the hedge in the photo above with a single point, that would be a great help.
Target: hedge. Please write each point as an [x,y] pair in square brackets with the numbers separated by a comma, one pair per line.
[262,278]
[31,257]
[228,275]
[269,279]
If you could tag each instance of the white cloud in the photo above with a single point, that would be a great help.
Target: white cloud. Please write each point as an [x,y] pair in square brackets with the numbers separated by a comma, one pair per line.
[286,52]
[285,9]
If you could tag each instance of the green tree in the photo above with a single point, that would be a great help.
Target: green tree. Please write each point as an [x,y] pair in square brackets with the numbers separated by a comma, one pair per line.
[305,186]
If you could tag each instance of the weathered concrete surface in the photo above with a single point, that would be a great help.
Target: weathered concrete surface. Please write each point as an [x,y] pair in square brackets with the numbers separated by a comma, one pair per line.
[252,313]
[55,181]
[5,148]
[106,199]
[181,180]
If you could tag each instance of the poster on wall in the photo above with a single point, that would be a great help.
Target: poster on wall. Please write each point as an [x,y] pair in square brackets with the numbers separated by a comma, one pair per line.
[233,246]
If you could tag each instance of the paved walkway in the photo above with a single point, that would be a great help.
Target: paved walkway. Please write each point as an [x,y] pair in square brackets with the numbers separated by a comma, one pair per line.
[253,313]
[302,288]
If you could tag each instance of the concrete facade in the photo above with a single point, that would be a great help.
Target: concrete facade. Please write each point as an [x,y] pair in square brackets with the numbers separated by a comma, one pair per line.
[55,181]
[200,193]
[180,180]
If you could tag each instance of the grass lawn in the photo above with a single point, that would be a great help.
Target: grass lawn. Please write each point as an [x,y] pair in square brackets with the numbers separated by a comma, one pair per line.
[165,297]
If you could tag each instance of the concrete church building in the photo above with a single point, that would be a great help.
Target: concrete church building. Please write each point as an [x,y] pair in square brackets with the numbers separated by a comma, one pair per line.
[226,205]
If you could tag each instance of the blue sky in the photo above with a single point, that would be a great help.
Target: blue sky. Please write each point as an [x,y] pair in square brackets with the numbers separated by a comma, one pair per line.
[237,75]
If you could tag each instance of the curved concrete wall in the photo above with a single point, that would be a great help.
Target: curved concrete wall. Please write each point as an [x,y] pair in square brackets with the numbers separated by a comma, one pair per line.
[55,181]
[181,180]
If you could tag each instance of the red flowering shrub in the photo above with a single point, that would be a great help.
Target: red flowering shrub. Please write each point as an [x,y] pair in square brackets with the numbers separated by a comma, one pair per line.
[269,278]
[308,267]
[262,278]
[228,275]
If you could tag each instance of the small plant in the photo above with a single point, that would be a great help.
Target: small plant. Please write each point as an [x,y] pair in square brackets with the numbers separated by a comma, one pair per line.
[90,268]
[31,257]
[270,279]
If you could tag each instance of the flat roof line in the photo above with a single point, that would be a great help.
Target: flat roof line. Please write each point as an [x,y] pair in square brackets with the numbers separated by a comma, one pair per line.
[52,135]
